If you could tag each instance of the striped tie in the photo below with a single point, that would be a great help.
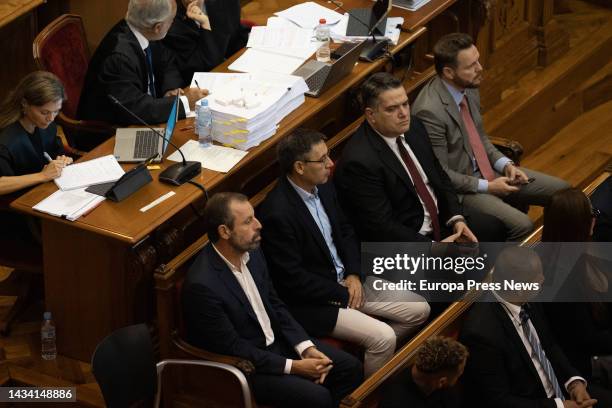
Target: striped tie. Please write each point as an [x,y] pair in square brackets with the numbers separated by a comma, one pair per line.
[538,352]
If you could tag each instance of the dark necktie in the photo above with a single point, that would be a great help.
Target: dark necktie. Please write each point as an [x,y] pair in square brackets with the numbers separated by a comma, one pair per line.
[151,77]
[482,160]
[538,352]
[420,188]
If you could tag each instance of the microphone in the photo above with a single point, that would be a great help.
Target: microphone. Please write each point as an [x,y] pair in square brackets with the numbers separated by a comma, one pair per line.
[178,173]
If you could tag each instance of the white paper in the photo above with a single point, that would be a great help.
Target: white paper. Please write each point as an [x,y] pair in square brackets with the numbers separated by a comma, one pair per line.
[308,14]
[69,204]
[97,171]
[217,158]
[254,60]
[214,80]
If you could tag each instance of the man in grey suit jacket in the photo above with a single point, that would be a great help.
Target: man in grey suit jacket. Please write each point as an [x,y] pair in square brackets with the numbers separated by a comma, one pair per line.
[485,180]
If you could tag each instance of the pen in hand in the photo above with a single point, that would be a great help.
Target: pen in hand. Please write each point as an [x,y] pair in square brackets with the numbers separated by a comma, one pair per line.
[196,82]
[47,157]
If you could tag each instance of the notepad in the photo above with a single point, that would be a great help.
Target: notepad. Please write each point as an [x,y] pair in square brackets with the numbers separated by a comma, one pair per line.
[69,205]
[97,171]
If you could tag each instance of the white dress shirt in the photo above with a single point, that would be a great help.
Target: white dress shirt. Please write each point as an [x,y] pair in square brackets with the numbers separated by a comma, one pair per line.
[144,43]
[513,311]
[246,282]
[426,228]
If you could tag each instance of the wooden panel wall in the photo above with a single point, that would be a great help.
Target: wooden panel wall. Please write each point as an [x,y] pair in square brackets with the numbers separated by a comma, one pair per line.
[98,16]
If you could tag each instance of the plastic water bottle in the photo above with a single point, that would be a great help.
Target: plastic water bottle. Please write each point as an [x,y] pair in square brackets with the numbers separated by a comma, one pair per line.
[47,338]
[322,35]
[204,124]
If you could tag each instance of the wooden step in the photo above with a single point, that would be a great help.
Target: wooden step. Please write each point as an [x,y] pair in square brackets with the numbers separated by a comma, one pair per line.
[545,100]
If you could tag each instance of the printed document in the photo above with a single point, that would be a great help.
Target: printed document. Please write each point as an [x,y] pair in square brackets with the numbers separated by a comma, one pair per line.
[97,171]
[69,205]
[217,158]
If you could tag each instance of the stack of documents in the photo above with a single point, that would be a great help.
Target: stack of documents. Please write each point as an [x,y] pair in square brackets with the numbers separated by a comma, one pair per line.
[247,108]
[280,46]
[71,200]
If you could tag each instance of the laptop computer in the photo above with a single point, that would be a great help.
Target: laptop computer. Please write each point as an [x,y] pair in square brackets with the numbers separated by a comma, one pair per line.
[319,76]
[138,144]
[367,21]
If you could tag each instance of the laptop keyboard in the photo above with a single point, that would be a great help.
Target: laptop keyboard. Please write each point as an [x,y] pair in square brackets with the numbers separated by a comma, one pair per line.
[147,144]
[316,81]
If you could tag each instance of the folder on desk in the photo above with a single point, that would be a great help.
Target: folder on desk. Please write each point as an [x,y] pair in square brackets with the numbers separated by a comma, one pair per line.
[69,205]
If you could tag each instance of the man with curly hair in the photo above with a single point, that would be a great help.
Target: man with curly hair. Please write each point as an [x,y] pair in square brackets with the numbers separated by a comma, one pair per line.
[428,383]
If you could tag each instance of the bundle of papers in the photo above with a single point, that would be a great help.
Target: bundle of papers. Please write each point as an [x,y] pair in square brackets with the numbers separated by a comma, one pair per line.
[97,171]
[71,200]
[308,14]
[70,204]
[246,109]
[280,46]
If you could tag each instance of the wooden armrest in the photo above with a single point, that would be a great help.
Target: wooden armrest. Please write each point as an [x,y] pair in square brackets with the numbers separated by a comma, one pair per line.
[510,148]
[243,365]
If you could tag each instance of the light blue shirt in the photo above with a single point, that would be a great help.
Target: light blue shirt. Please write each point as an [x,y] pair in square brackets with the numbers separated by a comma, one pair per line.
[314,205]
[483,184]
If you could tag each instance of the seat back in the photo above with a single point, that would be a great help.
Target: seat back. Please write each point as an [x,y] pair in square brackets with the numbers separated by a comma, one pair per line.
[62,48]
[124,366]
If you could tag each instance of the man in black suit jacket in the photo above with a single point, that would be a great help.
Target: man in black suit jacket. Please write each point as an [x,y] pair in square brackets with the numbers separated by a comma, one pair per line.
[121,67]
[204,34]
[315,260]
[376,186]
[505,369]
[231,307]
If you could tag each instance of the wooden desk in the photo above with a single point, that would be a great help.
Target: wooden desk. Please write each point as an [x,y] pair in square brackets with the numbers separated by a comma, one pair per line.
[98,269]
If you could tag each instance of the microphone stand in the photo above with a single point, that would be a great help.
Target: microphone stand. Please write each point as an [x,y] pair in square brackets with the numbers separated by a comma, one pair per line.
[370,52]
[175,174]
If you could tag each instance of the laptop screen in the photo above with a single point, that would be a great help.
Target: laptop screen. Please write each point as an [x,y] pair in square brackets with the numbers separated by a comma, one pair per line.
[172,119]
[379,11]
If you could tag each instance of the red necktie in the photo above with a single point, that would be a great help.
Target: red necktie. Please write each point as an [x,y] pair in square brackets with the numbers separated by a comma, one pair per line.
[477,147]
[421,188]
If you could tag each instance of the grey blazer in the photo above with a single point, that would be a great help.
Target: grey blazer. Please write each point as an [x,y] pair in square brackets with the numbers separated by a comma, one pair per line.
[449,138]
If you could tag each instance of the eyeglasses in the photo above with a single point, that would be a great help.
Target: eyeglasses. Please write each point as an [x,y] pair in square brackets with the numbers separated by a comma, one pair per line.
[595,212]
[320,161]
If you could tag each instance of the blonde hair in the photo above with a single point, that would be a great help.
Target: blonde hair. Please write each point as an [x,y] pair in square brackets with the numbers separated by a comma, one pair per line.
[36,89]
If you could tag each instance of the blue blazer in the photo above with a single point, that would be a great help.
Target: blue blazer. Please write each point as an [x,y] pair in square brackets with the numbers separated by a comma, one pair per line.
[218,315]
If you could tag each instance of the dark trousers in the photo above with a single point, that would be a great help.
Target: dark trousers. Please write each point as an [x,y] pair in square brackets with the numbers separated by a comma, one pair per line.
[295,391]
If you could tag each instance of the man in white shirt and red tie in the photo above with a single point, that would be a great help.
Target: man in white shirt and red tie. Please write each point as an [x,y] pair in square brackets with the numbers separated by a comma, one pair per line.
[485,179]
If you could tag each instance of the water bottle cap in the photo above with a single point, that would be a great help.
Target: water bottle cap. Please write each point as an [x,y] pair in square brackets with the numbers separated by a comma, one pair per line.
[204,102]
[322,21]
[47,316]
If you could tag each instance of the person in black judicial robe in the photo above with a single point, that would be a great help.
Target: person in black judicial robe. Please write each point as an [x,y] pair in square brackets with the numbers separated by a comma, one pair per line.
[221,314]
[119,68]
[28,133]
[198,49]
